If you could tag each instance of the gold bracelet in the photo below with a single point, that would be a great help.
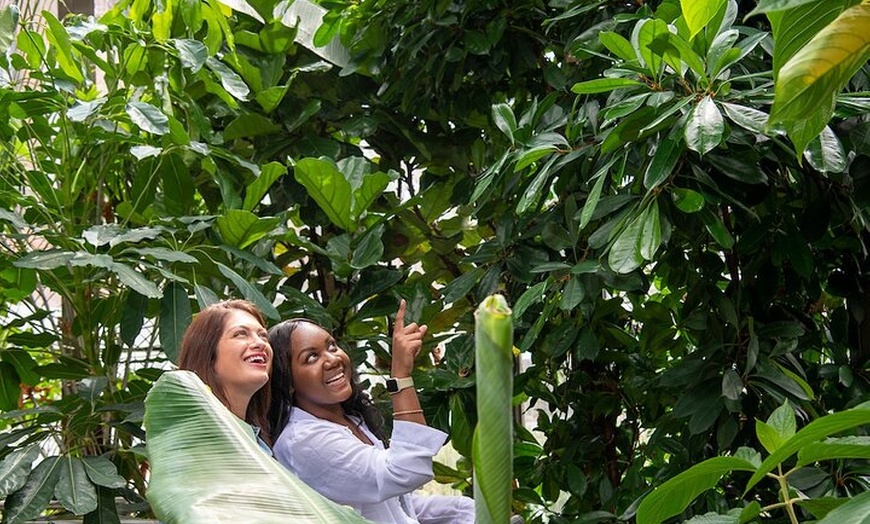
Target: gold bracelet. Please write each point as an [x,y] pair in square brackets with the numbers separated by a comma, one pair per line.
[409,412]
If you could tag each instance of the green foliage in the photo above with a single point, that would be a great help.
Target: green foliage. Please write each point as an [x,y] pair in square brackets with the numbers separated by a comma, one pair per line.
[677,271]
[672,497]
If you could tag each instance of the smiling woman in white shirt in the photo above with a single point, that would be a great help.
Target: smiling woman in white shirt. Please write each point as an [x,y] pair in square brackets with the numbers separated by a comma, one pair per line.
[331,435]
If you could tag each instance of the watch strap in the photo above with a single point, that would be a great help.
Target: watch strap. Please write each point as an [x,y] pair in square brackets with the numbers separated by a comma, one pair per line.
[394,385]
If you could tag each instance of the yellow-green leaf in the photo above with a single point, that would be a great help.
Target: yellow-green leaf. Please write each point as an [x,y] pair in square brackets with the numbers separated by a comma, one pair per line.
[808,82]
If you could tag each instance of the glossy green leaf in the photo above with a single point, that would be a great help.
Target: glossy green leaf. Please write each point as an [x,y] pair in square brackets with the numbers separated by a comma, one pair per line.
[732,385]
[530,296]
[241,228]
[717,230]
[74,489]
[370,188]
[250,125]
[504,119]
[705,127]
[532,195]
[24,365]
[61,44]
[250,292]
[45,260]
[370,248]
[148,118]
[461,431]
[462,285]
[672,497]
[135,280]
[328,187]
[624,255]
[178,188]
[34,496]
[175,316]
[814,431]
[493,437]
[591,203]
[668,152]
[8,23]
[835,448]
[603,85]
[854,511]
[257,189]
[808,82]
[185,486]
[825,153]
[765,6]
[230,80]
[698,13]
[102,472]
[794,27]
[687,200]
[161,25]
[15,468]
[746,117]
[618,45]
[10,391]
[650,30]
[192,53]
[651,232]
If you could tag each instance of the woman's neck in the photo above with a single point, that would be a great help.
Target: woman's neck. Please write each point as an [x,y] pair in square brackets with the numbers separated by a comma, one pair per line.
[238,404]
[332,413]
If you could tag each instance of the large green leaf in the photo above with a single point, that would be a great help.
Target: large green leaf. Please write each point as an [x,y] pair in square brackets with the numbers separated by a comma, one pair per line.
[250,292]
[328,187]
[257,189]
[672,497]
[74,489]
[603,85]
[493,437]
[814,431]
[825,153]
[15,468]
[835,448]
[29,501]
[175,316]
[698,13]
[8,23]
[241,228]
[795,26]
[625,256]
[855,511]
[705,127]
[807,83]
[207,467]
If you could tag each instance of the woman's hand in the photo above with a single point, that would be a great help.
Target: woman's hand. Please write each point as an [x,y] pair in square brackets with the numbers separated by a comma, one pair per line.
[407,343]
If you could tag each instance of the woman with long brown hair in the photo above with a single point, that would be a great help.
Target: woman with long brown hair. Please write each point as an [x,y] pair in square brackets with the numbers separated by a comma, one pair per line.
[227,346]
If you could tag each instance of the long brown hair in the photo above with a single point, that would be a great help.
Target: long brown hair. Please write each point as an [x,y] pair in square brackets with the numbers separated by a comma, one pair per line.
[199,354]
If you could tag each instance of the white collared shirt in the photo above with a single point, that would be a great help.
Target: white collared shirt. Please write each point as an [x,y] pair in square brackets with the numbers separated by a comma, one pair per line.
[376,482]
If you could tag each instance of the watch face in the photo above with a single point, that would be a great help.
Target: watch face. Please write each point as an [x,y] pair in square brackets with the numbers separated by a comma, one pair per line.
[392,385]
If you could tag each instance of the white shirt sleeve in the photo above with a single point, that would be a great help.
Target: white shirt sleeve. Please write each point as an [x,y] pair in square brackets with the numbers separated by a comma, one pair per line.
[330,459]
[443,509]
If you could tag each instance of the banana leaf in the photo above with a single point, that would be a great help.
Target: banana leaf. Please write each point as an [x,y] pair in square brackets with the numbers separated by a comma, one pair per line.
[492,447]
[207,467]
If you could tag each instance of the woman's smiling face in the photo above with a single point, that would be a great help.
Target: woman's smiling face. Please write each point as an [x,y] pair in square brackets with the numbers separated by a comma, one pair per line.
[244,356]
[320,369]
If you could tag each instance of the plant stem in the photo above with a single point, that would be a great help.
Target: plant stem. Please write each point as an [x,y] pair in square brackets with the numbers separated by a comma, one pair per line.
[787,500]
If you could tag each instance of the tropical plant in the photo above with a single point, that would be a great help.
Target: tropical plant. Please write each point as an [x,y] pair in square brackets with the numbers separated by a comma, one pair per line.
[796,491]
[677,265]
[493,435]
